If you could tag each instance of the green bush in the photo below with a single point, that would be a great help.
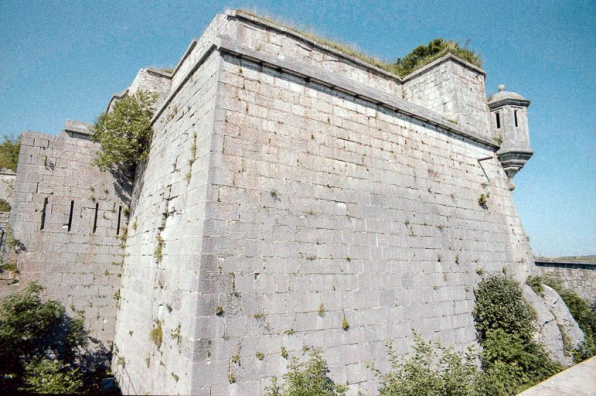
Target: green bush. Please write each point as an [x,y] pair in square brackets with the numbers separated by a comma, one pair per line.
[43,350]
[124,133]
[307,378]
[9,153]
[50,377]
[500,305]
[437,48]
[512,361]
[433,370]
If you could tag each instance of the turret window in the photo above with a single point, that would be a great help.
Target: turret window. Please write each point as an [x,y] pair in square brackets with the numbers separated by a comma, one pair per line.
[515,117]
[498,119]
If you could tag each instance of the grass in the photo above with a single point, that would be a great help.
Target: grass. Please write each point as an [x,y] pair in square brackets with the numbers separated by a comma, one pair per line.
[418,58]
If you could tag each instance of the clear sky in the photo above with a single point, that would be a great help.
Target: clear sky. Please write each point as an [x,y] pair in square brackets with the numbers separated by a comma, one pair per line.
[64,59]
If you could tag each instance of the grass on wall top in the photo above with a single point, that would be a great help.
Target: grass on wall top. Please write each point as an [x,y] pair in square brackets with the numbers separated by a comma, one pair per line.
[418,58]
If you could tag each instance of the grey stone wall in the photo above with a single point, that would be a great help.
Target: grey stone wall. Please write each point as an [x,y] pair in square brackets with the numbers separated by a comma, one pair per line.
[577,276]
[303,206]
[160,283]
[454,89]
[79,266]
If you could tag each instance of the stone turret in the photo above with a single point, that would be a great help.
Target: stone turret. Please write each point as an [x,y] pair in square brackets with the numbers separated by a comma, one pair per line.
[510,122]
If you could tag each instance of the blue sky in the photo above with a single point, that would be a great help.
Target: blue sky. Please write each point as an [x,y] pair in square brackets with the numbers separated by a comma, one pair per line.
[64,59]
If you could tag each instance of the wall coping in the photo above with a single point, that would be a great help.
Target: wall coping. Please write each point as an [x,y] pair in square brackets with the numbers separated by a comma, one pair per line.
[331,80]
[77,127]
[362,63]
[437,62]
[548,261]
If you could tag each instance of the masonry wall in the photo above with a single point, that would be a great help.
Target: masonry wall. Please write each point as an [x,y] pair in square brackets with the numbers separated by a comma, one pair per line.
[581,278]
[303,206]
[326,207]
[286,43]
[160,283]
[454,90]
[7,180]
[78,264]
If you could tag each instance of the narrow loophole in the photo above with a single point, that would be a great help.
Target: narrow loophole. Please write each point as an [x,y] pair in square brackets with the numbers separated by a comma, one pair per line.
[515,117]
[119,218]
[498,116]
[43,214]
[70,215]
[95,218]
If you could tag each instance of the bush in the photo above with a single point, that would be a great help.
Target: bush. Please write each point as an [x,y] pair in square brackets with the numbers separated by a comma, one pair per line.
[9,153]
[432,370]
[50,377]
[124,133]
[43,350]
[308,378]
[500,305]
[437,48]
[512,361]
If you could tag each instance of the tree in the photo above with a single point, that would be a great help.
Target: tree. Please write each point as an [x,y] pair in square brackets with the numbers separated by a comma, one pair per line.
[41,347]
[124,133]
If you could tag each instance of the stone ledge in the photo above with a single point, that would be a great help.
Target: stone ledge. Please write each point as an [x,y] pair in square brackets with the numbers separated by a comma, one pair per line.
[77,127]
[355,89]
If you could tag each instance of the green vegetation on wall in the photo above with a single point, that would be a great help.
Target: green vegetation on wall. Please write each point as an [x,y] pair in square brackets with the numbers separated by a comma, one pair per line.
[418,58]
[437,48]
[9,153]
[124,133]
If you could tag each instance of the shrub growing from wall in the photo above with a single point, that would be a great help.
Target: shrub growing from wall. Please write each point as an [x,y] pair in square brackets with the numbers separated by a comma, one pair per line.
[124,133]
[9,153]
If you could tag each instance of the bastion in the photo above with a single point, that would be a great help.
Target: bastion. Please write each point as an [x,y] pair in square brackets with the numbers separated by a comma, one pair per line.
[295,196]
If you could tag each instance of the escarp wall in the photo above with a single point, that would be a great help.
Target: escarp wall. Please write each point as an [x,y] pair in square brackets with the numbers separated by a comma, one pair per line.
[291,191]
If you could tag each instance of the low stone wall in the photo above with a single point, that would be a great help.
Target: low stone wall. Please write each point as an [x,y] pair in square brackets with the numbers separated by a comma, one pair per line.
[575,275]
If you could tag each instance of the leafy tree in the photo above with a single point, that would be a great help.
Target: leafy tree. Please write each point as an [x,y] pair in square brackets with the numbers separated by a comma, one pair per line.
[124,133]
[42,349]
[308,378]
[9,153]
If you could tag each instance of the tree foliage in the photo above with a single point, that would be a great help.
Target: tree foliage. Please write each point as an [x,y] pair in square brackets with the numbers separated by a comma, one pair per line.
[124,133]
[437,48]
[43,350]
[307,378]
[9,153]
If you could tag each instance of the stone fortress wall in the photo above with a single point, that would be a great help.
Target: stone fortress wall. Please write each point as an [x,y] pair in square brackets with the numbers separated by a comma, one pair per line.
[577,275]
[290,189]
[70,218]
